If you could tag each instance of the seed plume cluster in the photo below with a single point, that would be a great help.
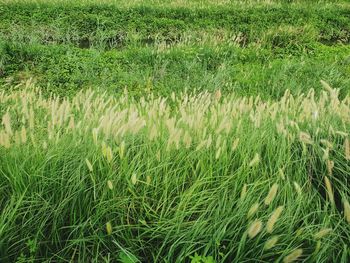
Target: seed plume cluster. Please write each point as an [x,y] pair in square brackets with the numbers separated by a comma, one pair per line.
[243,176]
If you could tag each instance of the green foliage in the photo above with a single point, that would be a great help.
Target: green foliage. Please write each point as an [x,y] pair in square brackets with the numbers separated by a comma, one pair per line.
[65,70]
[65,171]
[106,25]
[201,259]
[29,255]
[168,175]
[248,49]
[127,258]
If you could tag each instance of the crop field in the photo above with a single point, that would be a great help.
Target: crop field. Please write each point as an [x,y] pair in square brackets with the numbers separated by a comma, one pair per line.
[193,131]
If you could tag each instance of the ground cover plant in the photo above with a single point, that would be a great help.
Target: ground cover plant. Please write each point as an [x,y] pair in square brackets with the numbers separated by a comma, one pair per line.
[247,47]
[174,131]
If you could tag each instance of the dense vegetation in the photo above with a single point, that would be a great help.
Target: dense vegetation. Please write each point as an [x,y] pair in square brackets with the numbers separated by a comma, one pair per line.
[250,49]
[160,179]
[174,131]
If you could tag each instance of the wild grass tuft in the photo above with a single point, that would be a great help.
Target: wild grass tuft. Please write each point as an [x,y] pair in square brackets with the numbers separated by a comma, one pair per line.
[95,176]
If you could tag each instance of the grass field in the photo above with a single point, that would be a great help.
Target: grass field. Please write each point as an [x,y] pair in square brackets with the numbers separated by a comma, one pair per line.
[174,131]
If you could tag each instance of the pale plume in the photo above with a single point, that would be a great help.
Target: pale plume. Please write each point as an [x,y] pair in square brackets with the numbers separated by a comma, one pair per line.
[305,138]
[23,135]
[110,184]
[89,165]
[347,210]
[270,243]
[235,144]
[122,150]
[253,209]
[330,166]
[271,195]
[244,192]
[273,219]
[134,178]
[254,228]
[109,228]
[255,161]
[6,121]
[281,174]
[297,188]
[322,233]
[329,189]
[293,256]
[347,149]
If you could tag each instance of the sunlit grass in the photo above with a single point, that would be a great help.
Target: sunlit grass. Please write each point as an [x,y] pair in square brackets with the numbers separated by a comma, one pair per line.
[97,177]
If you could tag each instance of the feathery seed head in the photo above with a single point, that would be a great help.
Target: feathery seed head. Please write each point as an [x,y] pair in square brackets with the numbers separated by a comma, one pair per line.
[271,195]
[109,228]
[325,156]
[273,219]
[71,124]
[254,228]
[323,232]
[299,232]
[329,189]
[326,86]
[235,144]
[330,166]
[153,132]
[134,178]
[293,256]
[23,135]
[281,174]
[270,243]
[187,139]
[110,184]
[209,141]
[158,155]
[95,135]
[5,140]
[218,94]
[341,133]
[109,154]
[244,192]
[347,210]
[217,154]
[6,121]
[89,165]
[297,188]
[255,161]
[305,138]
[253,209]
[327,143]
[347,148]
[122,150]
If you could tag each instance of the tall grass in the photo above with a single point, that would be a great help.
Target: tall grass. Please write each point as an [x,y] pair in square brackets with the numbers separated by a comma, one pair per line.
[100,178]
